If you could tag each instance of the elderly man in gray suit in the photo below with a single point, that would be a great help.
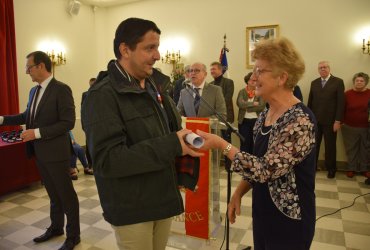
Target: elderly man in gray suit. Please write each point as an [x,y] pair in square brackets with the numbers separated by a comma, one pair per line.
[190,105]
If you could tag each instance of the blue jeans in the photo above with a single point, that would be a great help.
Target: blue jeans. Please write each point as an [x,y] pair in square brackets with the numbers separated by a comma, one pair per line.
[80,153]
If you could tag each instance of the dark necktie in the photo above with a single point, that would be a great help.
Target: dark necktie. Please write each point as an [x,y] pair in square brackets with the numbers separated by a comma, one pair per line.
[34,103]
[196,100]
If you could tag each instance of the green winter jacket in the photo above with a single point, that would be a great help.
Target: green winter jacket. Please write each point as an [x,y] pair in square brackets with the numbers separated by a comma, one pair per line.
[133,147]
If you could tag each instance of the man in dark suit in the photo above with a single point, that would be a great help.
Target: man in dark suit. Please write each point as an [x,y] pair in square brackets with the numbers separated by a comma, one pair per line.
[227,86]
[50,114]
[326,100]
[89,169]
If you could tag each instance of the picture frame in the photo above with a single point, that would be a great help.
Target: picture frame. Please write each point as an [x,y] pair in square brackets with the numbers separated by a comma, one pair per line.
[255,34]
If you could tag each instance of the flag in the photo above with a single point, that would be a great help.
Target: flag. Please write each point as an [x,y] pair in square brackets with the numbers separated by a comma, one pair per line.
[223,59]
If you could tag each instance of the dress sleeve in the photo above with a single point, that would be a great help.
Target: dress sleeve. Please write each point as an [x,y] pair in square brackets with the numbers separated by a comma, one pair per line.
[289,144]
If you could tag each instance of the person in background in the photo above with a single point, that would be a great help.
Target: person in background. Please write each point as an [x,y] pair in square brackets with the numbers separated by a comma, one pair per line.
[250,106]
[281,170]
[134,135]
[79,153]
[190,104]
[50,114]
[227,86]
[181,84]
[297,93]
[355,125]
[89,169]
[326,100]
[367,181]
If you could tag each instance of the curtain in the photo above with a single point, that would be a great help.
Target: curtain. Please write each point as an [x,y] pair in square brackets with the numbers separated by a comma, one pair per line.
[9,99]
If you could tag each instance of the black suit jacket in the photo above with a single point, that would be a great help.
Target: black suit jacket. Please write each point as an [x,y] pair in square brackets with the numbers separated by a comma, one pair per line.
[327,103]
[177,89]
[227,86]
[55,116]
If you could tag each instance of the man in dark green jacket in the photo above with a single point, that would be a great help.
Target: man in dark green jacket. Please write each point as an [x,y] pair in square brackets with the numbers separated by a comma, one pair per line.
[134,134]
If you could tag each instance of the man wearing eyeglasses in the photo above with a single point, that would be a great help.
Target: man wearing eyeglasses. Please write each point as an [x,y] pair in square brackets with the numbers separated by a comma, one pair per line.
[326,100]
[191,105]
[50,114]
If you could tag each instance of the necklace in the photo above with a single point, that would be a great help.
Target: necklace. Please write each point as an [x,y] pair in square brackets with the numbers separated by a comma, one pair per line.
[265,133]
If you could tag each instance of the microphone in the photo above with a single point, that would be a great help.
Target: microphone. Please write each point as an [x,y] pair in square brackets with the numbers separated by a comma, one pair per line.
[186,83]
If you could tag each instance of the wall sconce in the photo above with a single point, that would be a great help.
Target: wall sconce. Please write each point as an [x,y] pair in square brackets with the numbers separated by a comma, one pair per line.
[56,59]
[172,58]
[364,45]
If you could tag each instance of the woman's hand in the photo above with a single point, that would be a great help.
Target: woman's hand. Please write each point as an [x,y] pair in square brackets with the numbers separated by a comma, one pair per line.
[186,148]
[233,208]
[211,141]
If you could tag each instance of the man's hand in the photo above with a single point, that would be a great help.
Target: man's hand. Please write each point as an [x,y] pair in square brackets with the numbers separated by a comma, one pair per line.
[186,148]
[28,135]
[336,126]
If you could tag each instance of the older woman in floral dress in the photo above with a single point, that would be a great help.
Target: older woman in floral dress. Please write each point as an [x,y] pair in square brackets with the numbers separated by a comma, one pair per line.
[281,170]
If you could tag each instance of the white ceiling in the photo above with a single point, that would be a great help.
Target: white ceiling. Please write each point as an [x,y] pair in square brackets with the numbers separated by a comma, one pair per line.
[107,3]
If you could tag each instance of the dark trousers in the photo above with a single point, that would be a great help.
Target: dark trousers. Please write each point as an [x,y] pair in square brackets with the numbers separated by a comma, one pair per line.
[246,130]
[63,197]
[88,156]
[330,139]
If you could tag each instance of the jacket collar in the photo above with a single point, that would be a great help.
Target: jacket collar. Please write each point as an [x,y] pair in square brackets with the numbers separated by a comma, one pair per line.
[123,82]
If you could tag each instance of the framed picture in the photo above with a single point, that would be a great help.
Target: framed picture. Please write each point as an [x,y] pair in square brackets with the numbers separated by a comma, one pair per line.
[257,33]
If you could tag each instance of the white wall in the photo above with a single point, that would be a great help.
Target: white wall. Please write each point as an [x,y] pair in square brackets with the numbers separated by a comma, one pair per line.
[319,29]
[47,20]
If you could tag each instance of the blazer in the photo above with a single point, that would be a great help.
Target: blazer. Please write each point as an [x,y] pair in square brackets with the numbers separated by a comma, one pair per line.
[227,86]
[212,94]
[327,103]
[55,116]
[244,105]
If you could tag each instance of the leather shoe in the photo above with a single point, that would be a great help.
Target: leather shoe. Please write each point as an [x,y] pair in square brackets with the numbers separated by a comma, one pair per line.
[70,243]
[331,174]
[50,233]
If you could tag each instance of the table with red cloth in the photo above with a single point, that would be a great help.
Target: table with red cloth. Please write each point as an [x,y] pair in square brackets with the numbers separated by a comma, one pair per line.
[16,170]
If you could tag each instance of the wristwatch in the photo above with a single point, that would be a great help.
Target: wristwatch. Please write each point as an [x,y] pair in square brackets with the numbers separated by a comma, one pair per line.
[227,149]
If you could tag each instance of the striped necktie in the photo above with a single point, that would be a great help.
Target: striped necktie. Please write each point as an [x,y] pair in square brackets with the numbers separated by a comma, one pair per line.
[196,100]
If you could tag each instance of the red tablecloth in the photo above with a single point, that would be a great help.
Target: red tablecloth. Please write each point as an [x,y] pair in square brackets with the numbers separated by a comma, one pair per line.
[16,170]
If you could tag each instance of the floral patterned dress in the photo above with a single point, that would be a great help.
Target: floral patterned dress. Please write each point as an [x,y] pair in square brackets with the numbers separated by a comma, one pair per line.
[282,174]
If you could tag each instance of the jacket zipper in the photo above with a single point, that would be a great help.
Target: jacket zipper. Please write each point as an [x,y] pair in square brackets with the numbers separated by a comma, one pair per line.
[172,169]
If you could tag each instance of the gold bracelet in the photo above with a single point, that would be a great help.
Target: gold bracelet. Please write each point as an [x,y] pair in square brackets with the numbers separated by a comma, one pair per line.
[227,149]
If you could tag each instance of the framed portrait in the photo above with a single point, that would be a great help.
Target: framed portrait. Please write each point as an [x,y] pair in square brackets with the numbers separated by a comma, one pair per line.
[257,33]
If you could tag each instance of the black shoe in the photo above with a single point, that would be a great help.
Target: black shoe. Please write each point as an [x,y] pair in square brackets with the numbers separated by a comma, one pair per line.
[70,243]
[367,181]
[50,233]
[331,174]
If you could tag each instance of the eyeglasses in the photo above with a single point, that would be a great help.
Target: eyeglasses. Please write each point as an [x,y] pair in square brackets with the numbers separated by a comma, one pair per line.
[28,68]
[323,67]
[257,71]
[195,71]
